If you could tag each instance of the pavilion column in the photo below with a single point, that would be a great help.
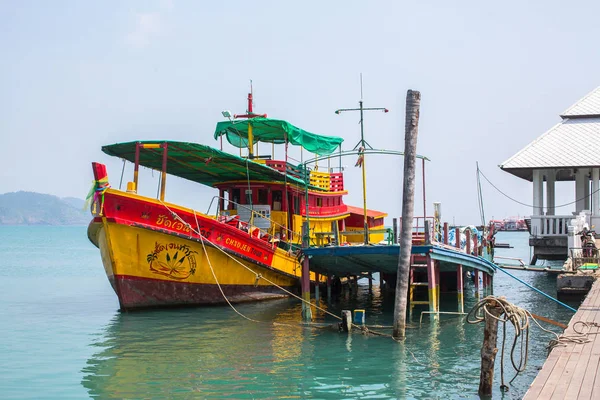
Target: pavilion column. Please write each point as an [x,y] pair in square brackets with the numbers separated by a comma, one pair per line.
[580,183]
[550,192]
[595,194]
[586,190]
[538,191]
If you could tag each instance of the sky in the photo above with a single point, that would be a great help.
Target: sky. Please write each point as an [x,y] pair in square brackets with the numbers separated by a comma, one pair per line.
[493,77]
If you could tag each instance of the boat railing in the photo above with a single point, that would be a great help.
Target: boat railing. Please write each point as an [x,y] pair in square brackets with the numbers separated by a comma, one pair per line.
[273,235]
[331,181]
[584,258]
[418,232]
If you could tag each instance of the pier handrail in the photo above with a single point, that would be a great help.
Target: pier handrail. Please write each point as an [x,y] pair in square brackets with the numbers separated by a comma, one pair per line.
[520,260]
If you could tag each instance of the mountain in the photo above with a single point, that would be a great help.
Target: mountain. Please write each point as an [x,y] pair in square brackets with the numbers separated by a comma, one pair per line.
[30,208]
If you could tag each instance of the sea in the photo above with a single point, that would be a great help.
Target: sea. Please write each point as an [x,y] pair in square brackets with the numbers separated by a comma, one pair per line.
[63,337]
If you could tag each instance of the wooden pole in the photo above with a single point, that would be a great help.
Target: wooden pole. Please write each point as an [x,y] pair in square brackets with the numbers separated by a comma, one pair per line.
[395,230]
[413,101]
[488,351]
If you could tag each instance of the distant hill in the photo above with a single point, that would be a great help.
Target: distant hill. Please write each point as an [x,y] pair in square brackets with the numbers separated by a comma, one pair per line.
[30,208]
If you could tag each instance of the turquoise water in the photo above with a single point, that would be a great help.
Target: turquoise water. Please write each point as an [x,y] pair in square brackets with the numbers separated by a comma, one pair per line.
[63,337]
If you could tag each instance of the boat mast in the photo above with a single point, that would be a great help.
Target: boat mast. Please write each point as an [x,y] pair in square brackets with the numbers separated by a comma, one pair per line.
[249,115]
[361,146]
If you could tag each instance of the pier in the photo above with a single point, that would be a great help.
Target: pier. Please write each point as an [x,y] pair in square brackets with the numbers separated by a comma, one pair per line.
[572,371]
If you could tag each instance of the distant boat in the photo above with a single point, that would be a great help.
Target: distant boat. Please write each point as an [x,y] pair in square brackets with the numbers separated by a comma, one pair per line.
[161,254]
[509,224]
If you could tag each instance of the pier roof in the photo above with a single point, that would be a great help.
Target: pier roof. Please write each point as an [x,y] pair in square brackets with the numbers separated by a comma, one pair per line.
[572,143]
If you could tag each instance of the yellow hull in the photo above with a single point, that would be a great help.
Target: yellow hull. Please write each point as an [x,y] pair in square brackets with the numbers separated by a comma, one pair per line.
[151,268]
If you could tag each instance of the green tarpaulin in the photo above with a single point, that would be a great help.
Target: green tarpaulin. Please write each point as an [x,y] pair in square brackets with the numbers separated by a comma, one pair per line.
[202,164]
[275,131]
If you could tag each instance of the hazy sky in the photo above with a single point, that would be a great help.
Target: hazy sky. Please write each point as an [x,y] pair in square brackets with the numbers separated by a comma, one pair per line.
[493,76]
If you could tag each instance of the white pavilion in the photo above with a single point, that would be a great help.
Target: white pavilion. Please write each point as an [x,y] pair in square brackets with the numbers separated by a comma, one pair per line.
[569,151]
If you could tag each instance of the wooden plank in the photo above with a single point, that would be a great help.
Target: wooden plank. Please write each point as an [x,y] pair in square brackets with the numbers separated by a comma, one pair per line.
[550,385]
[591,369]
[591,380]
[573,371]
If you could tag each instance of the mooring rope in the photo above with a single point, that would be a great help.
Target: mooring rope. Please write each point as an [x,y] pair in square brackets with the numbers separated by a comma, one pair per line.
[259,276]
[519,318]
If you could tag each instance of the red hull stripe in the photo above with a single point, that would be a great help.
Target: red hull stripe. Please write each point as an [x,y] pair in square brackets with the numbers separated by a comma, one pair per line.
[135,292]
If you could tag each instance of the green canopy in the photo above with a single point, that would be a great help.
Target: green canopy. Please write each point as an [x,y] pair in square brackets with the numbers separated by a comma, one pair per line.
[202,164]
[275,131]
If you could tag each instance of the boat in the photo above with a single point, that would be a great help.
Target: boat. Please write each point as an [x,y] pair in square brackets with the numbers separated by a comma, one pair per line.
[156,253]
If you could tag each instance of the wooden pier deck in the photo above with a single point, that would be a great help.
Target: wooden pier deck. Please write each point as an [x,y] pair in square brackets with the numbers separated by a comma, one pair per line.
[573,371]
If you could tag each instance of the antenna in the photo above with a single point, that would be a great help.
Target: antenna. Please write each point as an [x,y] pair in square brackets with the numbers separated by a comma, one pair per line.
[361,90]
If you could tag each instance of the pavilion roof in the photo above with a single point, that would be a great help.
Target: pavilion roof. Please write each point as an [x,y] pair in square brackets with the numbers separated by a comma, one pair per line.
[572,143]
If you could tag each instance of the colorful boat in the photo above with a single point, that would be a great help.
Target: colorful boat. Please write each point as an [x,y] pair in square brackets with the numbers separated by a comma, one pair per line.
[156,253]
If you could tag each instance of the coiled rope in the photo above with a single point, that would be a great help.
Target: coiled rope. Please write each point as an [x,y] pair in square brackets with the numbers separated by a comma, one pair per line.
[520,319]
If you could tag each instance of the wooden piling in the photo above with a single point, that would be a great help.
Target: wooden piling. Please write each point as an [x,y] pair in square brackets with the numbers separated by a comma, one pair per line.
[413,101]
[317,291]
[305,281]
[395,230]
[346,320]
[488,351]
[459,276]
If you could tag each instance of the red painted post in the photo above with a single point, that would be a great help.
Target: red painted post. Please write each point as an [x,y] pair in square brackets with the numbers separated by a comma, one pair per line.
[475,246]
[459,277]
[438,282]
[445,233]
[457,237]
[468,235]
[432,285]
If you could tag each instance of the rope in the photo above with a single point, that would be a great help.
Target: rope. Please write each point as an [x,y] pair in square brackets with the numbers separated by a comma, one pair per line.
[519,318]
[536,290]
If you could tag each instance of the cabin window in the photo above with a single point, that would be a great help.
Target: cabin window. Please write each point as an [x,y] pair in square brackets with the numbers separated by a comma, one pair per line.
[263,196]
[276,200]
[235,198]
[319,202]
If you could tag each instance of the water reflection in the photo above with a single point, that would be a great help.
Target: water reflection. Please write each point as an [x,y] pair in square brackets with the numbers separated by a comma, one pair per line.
[212,352]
